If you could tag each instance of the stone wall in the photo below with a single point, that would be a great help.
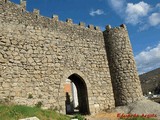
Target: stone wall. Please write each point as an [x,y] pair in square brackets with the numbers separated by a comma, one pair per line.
[125,80]
[38,54]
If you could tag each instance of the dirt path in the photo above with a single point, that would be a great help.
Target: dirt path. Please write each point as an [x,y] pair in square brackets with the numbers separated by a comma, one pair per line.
[103,116]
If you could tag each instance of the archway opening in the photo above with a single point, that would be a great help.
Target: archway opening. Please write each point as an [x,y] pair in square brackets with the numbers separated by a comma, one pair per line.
[76,95]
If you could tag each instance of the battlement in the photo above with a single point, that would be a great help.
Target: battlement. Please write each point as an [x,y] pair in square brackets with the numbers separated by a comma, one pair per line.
[121,27]
[38,54]
[30,18]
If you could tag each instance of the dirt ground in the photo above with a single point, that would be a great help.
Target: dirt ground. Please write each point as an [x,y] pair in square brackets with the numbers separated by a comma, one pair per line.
[103,116]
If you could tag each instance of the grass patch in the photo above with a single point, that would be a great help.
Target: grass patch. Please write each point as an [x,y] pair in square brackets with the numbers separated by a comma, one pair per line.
[79,117]
[15,112]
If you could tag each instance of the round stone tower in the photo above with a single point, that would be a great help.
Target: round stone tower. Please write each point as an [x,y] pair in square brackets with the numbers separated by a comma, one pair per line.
[125,80]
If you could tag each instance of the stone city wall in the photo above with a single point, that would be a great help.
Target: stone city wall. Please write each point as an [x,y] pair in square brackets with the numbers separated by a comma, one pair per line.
[37,55]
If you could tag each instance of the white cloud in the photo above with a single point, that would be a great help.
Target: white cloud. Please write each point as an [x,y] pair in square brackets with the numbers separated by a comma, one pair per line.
[96,12]
[148,59]
[154,19]
[141,13]
[117,5]
[158,5]
[144,27]
[135,12]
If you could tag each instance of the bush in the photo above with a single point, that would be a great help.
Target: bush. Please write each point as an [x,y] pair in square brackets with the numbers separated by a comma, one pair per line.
[39,104]
[30,96]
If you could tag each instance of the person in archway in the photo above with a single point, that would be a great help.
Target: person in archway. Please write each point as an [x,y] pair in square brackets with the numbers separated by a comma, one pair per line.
[69,109]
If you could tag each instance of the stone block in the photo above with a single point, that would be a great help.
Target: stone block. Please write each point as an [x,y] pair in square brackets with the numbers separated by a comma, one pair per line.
[5,85]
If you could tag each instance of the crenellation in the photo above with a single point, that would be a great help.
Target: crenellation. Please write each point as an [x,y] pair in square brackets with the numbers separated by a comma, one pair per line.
[23,4]
[91,27]
[97,28]
[117,28]
[82,24]
[36,12]
[123,26]
[108,27]
[38,54]
[31,18]
[5,1]
[55,17]
[69,21]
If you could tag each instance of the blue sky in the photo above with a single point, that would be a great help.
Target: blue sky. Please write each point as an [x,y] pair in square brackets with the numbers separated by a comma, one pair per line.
[141,17]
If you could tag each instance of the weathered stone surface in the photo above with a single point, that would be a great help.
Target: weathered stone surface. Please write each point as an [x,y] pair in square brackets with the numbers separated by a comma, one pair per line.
[38,54]
[2,60]
[122,66]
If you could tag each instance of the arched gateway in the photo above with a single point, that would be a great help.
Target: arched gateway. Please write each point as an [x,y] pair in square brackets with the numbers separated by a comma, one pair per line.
[38,54]
[77,85]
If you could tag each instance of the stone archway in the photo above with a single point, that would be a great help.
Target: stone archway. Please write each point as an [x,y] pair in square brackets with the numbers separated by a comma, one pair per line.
[82,95]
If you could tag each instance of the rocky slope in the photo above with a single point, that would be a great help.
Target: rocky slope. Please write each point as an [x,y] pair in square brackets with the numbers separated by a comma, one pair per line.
[143,108]
[150,81]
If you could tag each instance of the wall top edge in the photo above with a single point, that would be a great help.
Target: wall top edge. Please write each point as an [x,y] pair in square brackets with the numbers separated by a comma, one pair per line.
[69,21]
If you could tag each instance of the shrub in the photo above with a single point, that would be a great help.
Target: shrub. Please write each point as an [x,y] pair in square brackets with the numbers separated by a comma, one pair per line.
[39,104]
[30,96]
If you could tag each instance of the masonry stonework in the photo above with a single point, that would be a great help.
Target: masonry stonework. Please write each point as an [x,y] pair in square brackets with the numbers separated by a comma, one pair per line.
[125,81]
[38,54]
